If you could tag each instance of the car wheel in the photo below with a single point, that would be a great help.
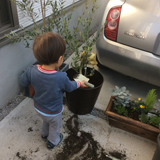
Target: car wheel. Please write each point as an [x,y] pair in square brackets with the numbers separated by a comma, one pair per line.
[99,64]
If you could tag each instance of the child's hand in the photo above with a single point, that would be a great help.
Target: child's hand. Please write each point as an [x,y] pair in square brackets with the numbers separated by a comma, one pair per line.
[82,84]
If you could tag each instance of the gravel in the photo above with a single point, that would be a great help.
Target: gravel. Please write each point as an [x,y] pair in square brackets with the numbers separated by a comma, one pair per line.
[11,105]
[99,113]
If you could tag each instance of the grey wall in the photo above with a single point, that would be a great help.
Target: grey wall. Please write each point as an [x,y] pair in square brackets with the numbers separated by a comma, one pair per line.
[14,58]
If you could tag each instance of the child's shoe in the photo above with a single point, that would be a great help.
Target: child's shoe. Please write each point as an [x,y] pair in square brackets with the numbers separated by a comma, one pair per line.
[44,137]
[51,145]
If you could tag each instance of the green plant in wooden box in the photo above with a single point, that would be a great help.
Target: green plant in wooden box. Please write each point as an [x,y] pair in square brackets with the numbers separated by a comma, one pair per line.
[143,118]
[136,109]
[150,100]
[121,110]
[121,100]
[138,105]
[137,120]
[121,96]
[155,121]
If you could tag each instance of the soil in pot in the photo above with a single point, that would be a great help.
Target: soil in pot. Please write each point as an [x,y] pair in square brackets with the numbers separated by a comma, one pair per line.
[82,100]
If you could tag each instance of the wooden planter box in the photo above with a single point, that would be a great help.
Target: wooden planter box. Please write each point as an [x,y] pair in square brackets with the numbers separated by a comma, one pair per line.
[130,125]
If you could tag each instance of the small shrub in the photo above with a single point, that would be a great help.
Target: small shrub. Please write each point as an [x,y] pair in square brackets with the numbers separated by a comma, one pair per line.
[150,100]
[138,105]
[121,96]
[122,110]
[143,118]
[155,121]
[144,111]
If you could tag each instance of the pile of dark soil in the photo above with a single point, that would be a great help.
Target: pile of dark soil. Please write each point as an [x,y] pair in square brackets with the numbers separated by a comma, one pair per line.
[80,145]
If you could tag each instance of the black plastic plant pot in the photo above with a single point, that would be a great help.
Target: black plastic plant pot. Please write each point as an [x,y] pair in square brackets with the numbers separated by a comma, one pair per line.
[82,100]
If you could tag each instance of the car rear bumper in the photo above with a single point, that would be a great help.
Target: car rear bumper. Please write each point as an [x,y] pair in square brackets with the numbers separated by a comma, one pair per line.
[130,61]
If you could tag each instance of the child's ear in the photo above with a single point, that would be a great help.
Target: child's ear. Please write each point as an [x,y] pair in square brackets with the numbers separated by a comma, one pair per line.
[60,58]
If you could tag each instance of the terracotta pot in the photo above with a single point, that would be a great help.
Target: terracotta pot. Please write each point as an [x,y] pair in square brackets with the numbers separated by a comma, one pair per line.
[131,125]
[82,100]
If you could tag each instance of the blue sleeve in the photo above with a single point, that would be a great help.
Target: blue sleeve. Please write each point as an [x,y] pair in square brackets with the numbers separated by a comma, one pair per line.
[70,86]
[25,78]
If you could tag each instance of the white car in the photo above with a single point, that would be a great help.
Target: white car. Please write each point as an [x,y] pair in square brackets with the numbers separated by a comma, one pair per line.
[130,42]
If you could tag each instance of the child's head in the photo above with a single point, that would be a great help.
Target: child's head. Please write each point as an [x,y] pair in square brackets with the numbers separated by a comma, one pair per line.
[47,48]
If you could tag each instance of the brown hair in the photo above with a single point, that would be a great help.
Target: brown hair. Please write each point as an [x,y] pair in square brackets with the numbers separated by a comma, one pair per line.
[47,48]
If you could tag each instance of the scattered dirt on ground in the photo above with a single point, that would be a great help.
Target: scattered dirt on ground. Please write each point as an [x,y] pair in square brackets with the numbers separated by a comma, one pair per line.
[37,150]
[21,157]
[30,129]
[80,145]
[118,155]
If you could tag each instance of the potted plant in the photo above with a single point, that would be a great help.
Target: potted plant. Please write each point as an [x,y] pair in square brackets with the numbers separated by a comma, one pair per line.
[82,100]
[74,37]
[135,116]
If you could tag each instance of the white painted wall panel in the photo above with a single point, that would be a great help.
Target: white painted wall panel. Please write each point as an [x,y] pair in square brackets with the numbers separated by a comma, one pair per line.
[26,21]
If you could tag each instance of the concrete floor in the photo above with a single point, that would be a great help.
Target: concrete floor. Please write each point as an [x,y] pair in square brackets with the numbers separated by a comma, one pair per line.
[20,136]
[20,130]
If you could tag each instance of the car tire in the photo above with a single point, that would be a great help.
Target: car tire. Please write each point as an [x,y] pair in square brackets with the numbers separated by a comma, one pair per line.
[99,64]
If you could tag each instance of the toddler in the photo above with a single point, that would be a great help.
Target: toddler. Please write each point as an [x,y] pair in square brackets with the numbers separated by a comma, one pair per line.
[49,84]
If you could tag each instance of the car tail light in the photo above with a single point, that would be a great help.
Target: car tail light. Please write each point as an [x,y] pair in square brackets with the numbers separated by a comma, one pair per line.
[111,27]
